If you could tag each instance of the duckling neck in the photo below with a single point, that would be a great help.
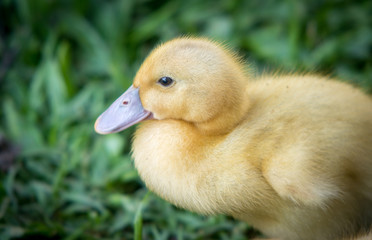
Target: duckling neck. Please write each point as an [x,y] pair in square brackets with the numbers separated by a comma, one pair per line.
[227,119]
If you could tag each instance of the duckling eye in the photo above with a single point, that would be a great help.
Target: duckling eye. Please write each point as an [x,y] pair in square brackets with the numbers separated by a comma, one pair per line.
[165,81]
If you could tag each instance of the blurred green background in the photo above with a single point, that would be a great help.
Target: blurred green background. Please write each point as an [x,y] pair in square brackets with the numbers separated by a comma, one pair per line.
[63,62]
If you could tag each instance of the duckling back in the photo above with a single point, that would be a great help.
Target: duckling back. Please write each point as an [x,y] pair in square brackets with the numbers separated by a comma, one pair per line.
[313,142]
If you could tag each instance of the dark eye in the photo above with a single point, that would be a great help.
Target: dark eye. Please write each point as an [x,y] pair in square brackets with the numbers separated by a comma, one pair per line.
[165,81]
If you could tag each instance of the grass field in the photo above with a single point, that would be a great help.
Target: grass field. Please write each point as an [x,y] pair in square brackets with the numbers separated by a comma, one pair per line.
[63,62]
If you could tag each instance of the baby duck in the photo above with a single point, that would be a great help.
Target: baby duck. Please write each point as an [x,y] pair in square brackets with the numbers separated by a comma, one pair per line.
[290,155]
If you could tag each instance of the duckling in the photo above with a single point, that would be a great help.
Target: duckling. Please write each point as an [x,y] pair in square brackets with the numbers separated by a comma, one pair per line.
[289,154]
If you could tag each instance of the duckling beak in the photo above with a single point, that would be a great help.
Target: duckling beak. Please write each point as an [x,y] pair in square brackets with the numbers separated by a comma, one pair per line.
[126,111]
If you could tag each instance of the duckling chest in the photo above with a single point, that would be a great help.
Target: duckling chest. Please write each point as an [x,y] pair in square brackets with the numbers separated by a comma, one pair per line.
[169,158]
[201,174]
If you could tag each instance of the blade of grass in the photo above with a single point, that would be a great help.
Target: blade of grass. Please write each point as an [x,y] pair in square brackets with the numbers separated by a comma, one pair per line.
[138,221]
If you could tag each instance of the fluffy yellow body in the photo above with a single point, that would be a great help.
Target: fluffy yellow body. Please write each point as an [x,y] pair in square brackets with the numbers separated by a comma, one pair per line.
[290,155]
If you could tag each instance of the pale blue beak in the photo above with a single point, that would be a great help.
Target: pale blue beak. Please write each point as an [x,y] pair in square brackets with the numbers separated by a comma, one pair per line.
[126,111]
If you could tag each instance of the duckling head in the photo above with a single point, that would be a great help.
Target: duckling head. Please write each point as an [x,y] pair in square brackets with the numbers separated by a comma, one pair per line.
[187,79]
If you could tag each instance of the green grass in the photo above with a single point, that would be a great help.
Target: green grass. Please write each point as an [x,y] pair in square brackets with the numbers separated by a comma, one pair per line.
[63,62]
